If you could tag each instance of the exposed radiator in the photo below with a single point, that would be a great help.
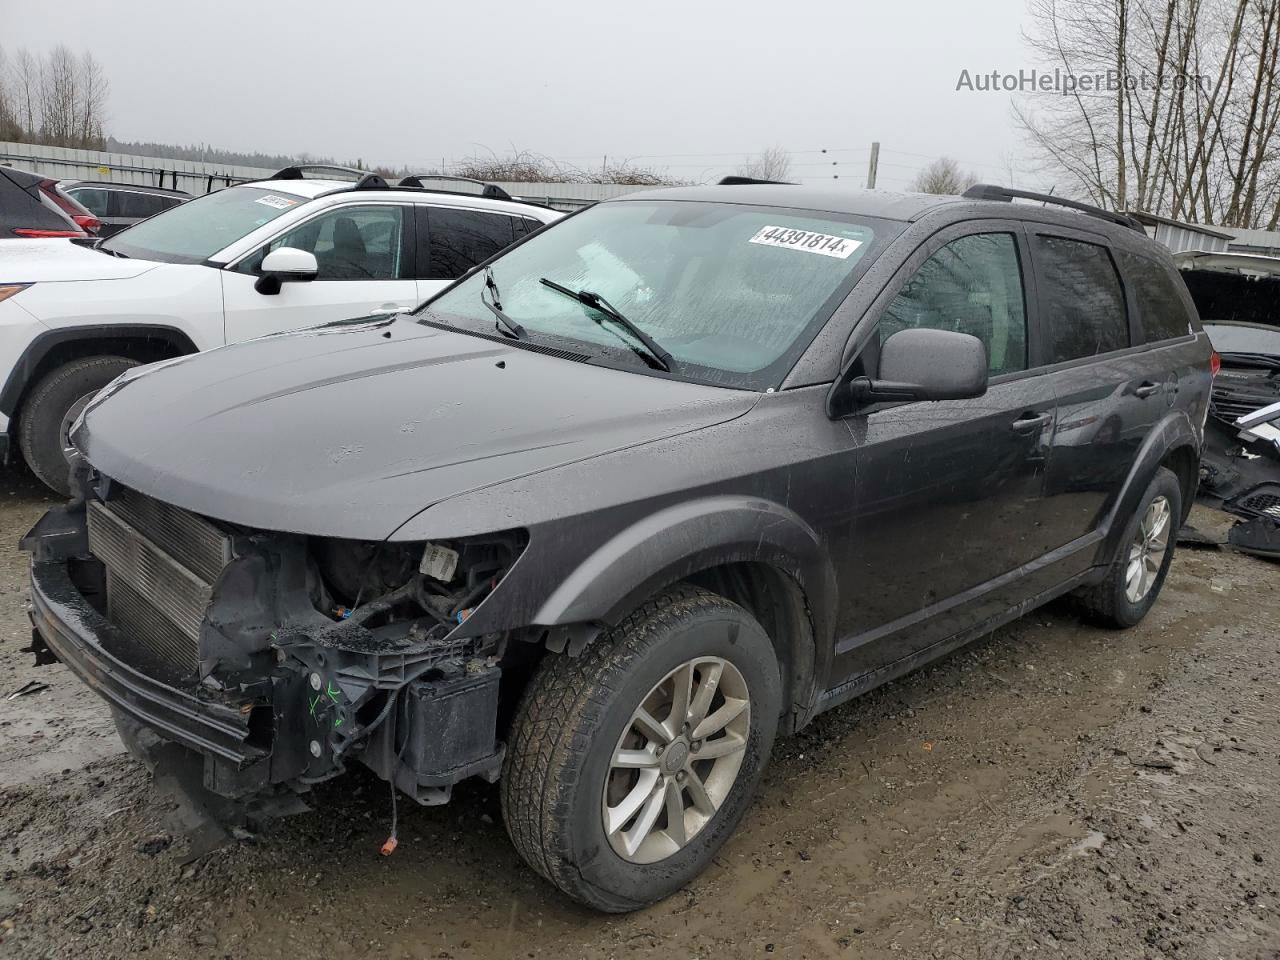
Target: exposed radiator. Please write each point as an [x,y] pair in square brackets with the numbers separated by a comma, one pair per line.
[162,563]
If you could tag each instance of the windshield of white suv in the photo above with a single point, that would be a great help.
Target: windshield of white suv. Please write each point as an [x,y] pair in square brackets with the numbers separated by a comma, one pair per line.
[194,231]
[731,292]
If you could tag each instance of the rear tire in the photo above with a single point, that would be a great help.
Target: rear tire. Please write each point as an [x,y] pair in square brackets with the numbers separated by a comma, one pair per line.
[50,409]
[1134,579]
[568,772]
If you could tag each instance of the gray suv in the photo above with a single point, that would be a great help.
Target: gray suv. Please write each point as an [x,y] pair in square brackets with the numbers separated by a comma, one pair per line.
[661,481]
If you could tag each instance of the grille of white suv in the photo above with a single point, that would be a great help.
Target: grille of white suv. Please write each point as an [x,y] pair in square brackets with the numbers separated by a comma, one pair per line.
[162,562]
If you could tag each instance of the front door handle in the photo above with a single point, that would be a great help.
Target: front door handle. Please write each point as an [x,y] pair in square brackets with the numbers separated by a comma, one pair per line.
[1146,389]
[1031,422]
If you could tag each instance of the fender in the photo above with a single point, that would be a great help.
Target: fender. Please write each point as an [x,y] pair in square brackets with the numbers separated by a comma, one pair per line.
[687,538]
[39,348]
[1174,431]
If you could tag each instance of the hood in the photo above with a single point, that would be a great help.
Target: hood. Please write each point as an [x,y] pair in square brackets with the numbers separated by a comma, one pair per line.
[350,429]
[55,260]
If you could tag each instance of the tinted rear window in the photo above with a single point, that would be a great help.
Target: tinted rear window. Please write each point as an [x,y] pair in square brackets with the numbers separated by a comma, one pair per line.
[459,239]
[1082,297]
[139,205]
[1161,309]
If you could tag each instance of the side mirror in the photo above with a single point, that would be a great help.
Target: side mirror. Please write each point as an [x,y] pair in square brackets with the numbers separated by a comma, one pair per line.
[286,264]
[926,365]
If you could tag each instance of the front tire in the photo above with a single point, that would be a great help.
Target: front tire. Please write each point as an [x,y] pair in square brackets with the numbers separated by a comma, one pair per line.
[51,409]
[631,764]
[1138,572]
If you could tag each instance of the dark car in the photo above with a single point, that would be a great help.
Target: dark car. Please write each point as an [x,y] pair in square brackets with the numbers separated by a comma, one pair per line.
[665,479]
[30,206]
[120,205]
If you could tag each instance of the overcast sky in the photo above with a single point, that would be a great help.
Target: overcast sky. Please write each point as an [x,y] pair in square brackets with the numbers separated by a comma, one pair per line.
[689,87]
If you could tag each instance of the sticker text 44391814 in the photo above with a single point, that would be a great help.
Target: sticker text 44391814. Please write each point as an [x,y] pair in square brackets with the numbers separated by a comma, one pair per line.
[807,241]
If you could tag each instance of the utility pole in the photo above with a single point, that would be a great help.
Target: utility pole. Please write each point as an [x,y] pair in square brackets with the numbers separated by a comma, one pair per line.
[872,164]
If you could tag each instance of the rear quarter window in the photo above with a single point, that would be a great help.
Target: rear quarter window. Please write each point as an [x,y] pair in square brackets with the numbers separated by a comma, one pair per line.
[1162,312]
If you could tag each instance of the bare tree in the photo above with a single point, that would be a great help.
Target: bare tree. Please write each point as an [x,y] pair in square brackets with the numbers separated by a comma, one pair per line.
[26,84]
[58,121]
[59,98]
[943,176]
[9,127]
[92,88]
[1181,113]
[771,163]
[523,166]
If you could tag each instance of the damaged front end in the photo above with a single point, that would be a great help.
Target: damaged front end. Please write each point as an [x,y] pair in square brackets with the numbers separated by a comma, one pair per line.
[274,659]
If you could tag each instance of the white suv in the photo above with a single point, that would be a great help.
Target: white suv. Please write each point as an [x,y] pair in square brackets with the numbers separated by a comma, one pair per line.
[250,260]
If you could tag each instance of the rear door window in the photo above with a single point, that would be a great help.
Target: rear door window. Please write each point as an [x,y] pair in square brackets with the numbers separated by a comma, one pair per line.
[138,206]
[972,285]
[456,240]
[1161,310]
[1082,299]
[93,200]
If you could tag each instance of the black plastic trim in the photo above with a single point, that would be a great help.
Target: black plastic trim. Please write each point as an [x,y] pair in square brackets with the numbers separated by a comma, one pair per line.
[20,376]
[71,628]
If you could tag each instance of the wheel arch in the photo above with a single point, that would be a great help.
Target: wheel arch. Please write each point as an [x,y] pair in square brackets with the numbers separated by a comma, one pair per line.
[142,342]
[1172,443]
[755,552]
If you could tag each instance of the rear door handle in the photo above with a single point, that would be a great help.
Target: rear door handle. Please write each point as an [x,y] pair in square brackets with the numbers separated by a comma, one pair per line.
[1030,422]
[1146,389]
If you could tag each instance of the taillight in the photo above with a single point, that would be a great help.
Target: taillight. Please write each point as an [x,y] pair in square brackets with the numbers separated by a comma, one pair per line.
[87,222]
[1215,363]
[45,234]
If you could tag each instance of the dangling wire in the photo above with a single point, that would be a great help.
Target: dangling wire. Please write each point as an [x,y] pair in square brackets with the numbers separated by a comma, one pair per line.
[393,841]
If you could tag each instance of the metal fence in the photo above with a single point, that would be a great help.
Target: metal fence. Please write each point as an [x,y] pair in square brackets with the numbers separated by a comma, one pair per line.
[196,177]
[65,163]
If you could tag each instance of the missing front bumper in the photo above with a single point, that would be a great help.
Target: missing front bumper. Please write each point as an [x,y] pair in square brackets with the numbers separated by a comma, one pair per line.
[423,722]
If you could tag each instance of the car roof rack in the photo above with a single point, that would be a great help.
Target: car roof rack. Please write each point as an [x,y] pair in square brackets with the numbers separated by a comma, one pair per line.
[490,190]
[737,181]
[316,171]
[988,191]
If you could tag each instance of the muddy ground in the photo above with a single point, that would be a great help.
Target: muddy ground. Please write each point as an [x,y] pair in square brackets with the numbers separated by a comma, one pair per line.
[1055,790]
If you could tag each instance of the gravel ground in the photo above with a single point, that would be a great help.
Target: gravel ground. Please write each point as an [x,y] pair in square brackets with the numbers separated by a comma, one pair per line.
[1054,790]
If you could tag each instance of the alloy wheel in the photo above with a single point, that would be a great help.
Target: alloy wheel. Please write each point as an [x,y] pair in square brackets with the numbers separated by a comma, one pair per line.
[1147,551]
[677,760]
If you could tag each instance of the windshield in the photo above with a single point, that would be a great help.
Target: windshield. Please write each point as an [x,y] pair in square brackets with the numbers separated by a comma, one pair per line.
[194,231]
[732,292]
[1243,338]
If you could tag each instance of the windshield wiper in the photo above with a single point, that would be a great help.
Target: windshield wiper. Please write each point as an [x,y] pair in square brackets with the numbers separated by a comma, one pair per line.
[605,308]
[514,329]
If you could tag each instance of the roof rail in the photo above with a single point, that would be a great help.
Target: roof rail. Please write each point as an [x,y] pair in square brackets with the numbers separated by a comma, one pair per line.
[300,172]
[491,190]
[987,191]
[736,181]
[370,181]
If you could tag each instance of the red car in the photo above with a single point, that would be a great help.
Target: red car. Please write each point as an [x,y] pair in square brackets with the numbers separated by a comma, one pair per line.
[31,206]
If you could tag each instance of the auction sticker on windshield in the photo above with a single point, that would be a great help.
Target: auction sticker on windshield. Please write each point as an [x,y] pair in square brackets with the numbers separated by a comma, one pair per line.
[280,203]
[807,241]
